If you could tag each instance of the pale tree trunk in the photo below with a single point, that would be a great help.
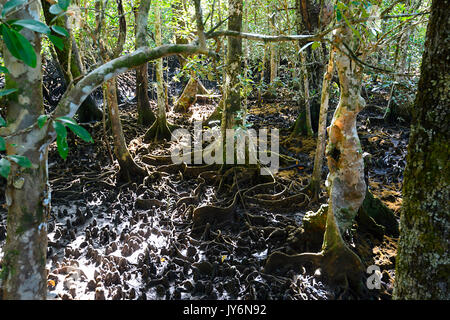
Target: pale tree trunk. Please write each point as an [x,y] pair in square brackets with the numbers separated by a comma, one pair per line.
[129,170]
[160,129]
[246,58]
[27,191]
[321,133]
[263,68]
[345,181]
[145,114]
[273,52]
[422,268]
[232,94]
[189,95]
[303,124]
[309,130]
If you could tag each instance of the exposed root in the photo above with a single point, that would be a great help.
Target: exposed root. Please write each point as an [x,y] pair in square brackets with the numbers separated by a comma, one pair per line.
[188,97]
[130,171]
[213,214]
[159,131]
[340,266]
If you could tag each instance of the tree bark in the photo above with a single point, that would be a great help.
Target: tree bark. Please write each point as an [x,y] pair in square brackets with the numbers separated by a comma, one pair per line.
[27,191]
[145,115]
[232,92]
[422,268]
[129,170]
[160,128]
[321,132]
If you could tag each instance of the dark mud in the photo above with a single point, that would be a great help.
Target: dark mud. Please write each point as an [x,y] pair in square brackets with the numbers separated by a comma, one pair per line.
[104,243]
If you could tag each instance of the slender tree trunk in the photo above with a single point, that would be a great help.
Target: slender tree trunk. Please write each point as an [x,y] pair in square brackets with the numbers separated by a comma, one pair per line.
[145,114]
[232,92]
[160,128]
[72,66]
[27,191]
[422,269]
[273,52]
[309,130]
[321,133]
[129,170]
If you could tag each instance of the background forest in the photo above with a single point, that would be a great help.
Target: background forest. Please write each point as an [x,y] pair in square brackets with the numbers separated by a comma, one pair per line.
[93,93]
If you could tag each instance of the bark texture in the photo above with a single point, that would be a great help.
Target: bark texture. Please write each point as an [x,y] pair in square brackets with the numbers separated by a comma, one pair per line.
[27,191]
[321,132]
[423,262]
[160,129]
[145,114]
[232,92]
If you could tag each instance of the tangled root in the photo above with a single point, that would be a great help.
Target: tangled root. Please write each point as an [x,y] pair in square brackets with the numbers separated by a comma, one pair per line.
[341,267]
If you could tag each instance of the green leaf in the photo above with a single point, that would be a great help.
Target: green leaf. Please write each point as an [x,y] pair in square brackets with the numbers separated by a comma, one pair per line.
[5,168]
[55,9]
[42,120]
[56,41]
[315,45]
[33,25]
[60,129]
[2,122]
[3,69]
[21,161]
[2,144]
[19,46]
[80,132]
[64,4]
[66,120]
[60,30]
[4,92]
[338,15]
[63,147]
[10,5]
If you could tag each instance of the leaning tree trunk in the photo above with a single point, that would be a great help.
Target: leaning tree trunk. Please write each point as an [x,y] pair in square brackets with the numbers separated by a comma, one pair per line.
[160,129]
[145,114]
[72,66]
[27,191]
[422,269]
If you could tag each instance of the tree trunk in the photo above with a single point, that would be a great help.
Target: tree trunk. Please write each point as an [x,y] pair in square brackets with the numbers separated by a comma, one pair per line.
[321,133]
[27,191]
[232,92]
[422,269]
[160,128]
[145,114]
[309,130]
[129,170]
[89,111]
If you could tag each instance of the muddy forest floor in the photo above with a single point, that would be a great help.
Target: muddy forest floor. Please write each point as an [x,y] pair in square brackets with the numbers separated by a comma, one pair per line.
[104,246]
